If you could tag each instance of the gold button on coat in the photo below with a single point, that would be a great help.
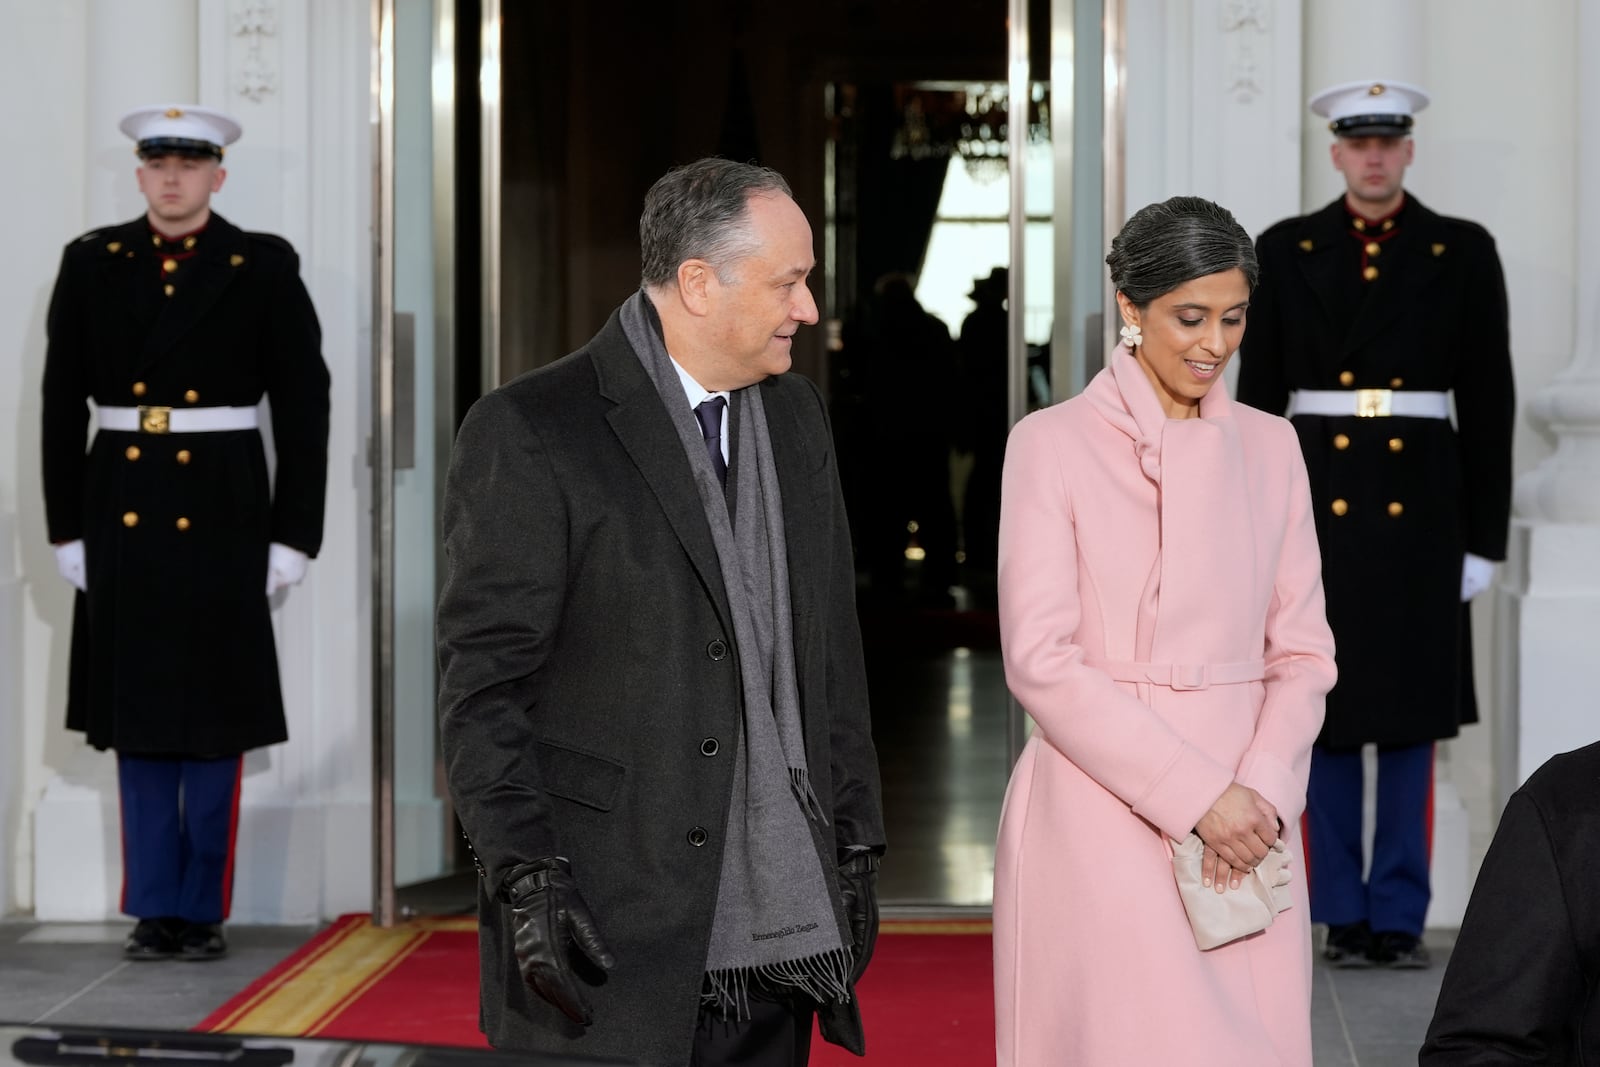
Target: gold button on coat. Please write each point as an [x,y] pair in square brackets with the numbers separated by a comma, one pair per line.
[169,265]
[1370,273]
[1347,377]
[132,452]
[1341,441]
[1340,506]
[1373,248]
[169,289]
[183,455]
[1396,444]
[1395,383]
[130,519]
[139,389]
[1395,509]
[182,523]
[191,396]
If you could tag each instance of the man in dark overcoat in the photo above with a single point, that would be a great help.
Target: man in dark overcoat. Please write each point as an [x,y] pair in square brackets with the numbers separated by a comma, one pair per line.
[1375,317]
[1523,982]
[170,329]
[653,700]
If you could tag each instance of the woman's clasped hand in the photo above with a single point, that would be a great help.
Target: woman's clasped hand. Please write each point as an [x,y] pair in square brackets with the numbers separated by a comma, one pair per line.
[1238,832]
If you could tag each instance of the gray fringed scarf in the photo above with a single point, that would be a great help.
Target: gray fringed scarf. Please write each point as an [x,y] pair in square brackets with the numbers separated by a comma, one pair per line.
[776,918]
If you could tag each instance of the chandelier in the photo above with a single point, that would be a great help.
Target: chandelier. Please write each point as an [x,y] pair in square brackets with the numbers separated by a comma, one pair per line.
[970,121]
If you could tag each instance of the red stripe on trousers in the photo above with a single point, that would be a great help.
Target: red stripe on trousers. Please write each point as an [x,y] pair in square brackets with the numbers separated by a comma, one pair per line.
[233,837]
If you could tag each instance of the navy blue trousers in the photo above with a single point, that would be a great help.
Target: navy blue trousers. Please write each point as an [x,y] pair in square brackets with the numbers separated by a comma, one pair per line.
[180,817]
[1394,895]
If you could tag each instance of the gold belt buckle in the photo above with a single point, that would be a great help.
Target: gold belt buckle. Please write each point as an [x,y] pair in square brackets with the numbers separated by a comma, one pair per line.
[154,419]
[1374,403]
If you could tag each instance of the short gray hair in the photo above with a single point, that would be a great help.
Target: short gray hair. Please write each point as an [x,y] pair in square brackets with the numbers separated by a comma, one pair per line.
[701,210]
[1176,241]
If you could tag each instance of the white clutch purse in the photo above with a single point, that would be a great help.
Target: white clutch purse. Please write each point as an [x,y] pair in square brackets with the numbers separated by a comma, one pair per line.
[1218,918]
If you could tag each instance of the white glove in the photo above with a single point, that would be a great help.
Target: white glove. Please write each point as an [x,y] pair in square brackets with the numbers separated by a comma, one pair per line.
[69,561]
[1476,574]
[285,566]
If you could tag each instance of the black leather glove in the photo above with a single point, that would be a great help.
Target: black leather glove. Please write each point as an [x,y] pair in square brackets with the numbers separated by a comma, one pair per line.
[858,889]
[548,918]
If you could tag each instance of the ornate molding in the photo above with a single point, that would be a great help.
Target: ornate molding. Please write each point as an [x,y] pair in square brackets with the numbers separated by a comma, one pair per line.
[1244,23]
[253,22]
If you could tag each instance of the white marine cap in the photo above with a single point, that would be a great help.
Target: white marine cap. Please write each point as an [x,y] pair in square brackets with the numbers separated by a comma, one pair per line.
[1370,108]
[169,129]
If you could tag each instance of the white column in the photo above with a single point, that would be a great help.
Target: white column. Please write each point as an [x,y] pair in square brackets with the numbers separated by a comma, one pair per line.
[1554,575]
[1353,40]
[138,54]
[10,700]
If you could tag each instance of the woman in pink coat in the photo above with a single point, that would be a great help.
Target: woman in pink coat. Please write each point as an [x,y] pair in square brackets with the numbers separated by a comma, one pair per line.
[1162,621]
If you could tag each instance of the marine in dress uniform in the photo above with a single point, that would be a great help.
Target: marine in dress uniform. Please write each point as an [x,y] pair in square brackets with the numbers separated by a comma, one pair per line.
[1374,318]
[170,329]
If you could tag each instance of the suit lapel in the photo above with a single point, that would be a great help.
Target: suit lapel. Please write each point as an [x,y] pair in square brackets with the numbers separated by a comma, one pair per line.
[640,421]
[1408,266]
[218,259]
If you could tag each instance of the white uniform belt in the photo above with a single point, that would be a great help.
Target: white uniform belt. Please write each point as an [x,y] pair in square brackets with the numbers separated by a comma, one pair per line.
[1182,676]
[155,419]
[1369,403]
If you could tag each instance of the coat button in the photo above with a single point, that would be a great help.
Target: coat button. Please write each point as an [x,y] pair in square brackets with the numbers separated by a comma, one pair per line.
[169,265]
[1396,509]
[183,456]
[1340,506]
[1395,383]
[130,519]
[182,523]
[191,396]
[709,747]
[1347,377]
[139,389]
[1373,248]
[1396,444]
[1341,441]
[717,649]
[132,452]
[1370,273]
[697,836]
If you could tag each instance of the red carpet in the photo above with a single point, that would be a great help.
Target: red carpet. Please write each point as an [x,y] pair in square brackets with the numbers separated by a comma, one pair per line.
[927,999]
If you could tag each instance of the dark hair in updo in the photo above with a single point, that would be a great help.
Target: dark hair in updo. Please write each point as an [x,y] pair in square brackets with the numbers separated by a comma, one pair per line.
[1176,241]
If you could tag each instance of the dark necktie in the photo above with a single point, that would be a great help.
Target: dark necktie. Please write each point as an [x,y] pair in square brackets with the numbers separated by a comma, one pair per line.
[709,412]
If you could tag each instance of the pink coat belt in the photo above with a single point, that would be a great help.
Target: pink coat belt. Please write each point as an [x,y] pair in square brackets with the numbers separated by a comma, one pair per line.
[1182,676]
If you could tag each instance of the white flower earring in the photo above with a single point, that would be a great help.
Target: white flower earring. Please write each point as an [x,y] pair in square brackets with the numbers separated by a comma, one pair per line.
[1131,335]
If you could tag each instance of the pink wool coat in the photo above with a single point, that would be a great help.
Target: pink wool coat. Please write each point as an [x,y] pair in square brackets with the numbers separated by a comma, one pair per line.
[1182,552]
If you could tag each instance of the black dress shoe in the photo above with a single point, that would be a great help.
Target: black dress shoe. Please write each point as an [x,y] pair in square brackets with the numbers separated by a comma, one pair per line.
[202,941]
[1349,945]
[1400,952]
[152,939]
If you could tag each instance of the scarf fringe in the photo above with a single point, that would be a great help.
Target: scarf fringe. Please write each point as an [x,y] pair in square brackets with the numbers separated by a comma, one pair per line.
[800,782]
[824,978]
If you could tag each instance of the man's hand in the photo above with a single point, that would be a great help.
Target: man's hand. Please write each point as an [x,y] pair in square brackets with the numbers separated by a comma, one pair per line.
[858,890]
[285,566]
[548,917]
[1240,827]
[69,561]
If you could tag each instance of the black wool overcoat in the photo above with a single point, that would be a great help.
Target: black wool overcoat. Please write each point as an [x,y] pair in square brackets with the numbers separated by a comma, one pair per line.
[172,649]
[1523,984]
[1398,501]
[590,695]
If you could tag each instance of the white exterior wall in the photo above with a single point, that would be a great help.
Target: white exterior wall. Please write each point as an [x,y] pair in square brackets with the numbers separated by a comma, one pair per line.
[295,73]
